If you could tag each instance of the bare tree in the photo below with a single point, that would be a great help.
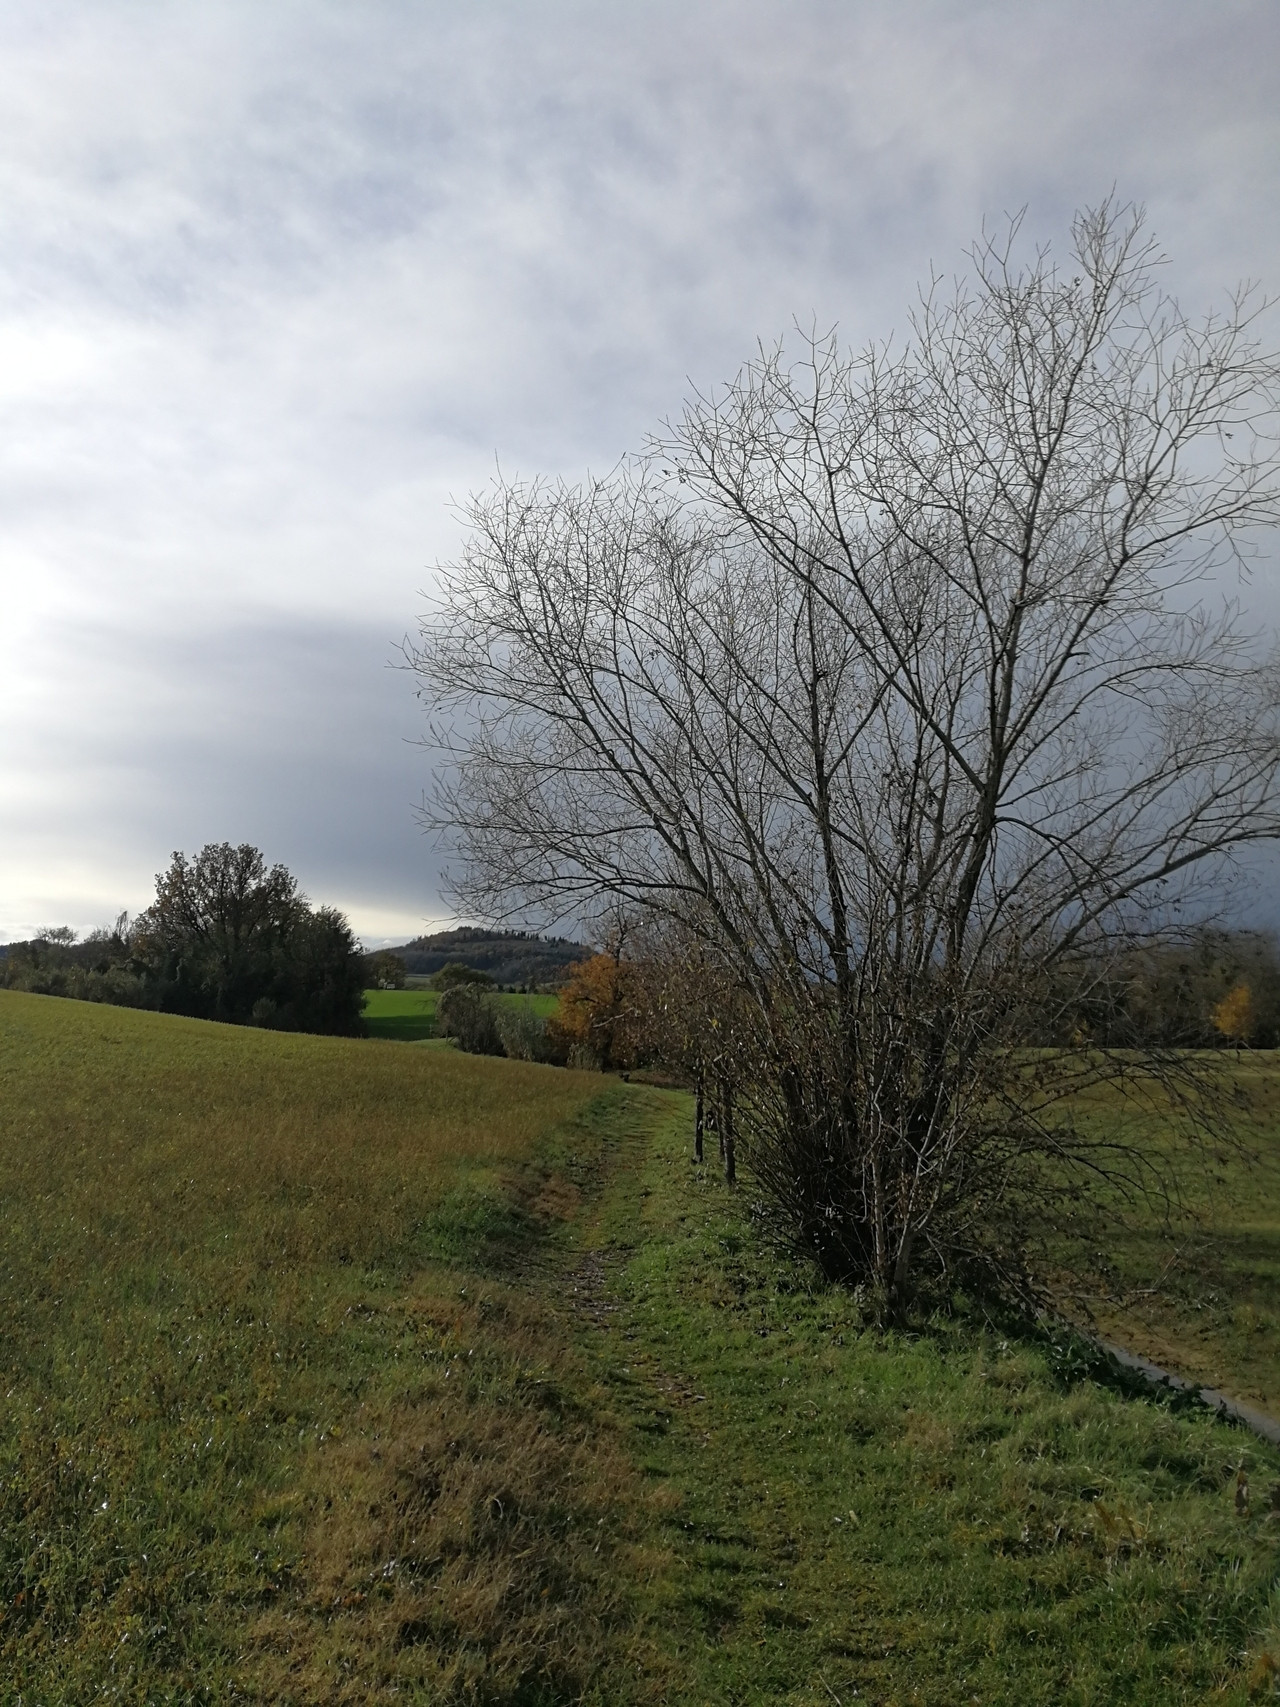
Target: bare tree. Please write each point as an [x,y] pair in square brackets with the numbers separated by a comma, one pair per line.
[894,683]
[692,1017]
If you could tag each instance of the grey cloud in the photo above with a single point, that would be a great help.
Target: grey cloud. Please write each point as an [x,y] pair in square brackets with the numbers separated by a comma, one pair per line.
[277,280]
[299,737]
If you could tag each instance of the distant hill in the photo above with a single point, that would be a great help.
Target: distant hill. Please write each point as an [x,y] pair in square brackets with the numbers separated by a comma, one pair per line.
[509,957]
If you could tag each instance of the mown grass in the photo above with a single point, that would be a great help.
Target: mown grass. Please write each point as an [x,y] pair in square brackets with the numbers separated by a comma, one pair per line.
[409,1016]
[243,1351]
[944,1516]
[1195,1285]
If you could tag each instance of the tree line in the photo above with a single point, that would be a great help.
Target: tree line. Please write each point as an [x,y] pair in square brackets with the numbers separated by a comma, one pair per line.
[227,938]
[619,1012]
[509,957]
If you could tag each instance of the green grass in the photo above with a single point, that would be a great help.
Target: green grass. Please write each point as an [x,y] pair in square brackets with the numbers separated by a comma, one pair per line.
[406,1016]
[543,1005]
[225,1253]
[934,1517]
[1198,1289]
[409,1016]
[344,1374]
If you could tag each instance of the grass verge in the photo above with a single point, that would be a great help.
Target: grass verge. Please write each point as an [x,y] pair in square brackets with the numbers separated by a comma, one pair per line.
[1197,1288]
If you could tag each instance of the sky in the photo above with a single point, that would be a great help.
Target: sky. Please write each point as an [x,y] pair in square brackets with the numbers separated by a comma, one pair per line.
[280,284]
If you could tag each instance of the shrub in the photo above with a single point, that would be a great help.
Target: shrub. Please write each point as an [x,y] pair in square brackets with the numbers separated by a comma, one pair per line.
[464,1014]
[527,1036]
[456,973]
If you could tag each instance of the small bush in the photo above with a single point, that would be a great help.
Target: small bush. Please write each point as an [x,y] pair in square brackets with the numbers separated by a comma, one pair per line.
[27,971]
[527,1036]
[464,1014]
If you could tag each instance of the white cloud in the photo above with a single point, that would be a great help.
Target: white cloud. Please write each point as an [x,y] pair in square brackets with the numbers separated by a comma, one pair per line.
[276,281]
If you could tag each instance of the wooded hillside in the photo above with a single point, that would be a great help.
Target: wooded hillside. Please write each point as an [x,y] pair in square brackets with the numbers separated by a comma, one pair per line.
[509,957]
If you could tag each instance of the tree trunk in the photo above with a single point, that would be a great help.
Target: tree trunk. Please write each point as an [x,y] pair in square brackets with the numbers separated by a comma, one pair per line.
[899,1292]
[728,1142]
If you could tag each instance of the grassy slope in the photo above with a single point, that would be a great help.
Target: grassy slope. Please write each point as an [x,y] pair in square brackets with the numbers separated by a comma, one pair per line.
[1200,1291]
[221,1252]
[345,1374]
[409,1016]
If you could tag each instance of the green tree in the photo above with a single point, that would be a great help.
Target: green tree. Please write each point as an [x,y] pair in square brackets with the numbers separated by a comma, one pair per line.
[229,938]
[384,970]
[467,1015]
[454,973]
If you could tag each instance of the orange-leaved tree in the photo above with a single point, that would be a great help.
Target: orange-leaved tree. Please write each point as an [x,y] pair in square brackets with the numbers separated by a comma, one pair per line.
[601,1011]
[1233,1016]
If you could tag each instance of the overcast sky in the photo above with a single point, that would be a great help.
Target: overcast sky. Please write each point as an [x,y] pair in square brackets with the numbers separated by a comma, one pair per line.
[278,281]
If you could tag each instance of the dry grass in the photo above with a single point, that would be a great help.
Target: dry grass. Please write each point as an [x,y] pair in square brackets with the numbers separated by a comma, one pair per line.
[460,1550]
[129,1113]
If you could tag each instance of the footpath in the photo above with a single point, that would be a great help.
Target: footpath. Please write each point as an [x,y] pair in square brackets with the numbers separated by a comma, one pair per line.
[837,1513]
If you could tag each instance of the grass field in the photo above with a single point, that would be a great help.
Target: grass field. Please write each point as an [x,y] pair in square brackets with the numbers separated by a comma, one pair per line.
[405,1016]
[343,1374]
[1198,1290]
[222,1253]
[409,1016]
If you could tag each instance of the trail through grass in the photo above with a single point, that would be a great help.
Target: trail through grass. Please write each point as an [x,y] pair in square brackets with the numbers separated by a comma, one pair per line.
[936,1517]
[338,1373]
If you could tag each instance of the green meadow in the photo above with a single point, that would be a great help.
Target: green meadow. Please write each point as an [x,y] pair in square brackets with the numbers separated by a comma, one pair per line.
[338,1373]
[404,1016]
[409,1016]
[1195,1283]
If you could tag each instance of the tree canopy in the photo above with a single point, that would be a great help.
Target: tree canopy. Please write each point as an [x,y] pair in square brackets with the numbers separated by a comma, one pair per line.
[229,938]
[226,938]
